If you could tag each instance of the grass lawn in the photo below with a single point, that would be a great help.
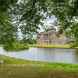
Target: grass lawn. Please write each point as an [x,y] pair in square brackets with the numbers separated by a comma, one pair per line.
[16,68]
[51,46]
[67,46]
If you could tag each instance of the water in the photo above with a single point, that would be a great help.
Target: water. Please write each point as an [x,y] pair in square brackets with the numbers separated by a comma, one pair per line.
[45,54]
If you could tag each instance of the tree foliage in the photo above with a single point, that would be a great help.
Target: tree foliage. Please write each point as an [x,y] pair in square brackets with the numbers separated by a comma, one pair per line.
[6,28]
[29,14]
[66,11]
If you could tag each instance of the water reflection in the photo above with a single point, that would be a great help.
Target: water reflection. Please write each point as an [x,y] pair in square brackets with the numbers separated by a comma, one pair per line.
[45,54]
[76,55]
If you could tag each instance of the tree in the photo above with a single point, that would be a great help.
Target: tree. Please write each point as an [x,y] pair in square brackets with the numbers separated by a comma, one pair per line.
[30,14]
[29,17]
[7,31]
[66,12]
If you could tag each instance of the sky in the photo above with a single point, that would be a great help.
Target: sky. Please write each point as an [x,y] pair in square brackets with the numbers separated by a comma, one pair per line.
[48,22]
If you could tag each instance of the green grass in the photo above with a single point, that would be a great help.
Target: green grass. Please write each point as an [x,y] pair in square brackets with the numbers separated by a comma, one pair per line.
[51,46]
[11,60]
[67,46]
[22,46]
[17,68]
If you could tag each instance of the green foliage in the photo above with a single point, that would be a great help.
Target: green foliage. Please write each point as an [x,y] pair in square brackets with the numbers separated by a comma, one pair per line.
[29,41]
[34,11]
[66,12]
[7,31]
[16,46]
[4,5]
[29,14]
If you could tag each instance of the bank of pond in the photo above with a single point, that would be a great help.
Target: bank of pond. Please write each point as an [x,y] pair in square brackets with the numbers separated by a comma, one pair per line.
[18,68]
[61,66]
[19,46]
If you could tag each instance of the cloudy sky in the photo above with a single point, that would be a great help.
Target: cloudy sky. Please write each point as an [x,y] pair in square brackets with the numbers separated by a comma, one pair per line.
[48,22]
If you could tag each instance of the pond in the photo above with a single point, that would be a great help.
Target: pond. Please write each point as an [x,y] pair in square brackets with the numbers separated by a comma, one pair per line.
[45,54]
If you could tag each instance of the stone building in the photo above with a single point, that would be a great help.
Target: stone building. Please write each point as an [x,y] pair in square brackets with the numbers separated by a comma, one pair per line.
[51,37]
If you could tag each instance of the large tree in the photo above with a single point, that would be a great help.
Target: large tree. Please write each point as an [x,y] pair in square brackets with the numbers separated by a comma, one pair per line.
[6,28]
[29,14]
[66,12]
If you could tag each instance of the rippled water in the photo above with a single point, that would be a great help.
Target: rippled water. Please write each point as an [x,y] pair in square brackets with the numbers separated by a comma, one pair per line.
[45,54]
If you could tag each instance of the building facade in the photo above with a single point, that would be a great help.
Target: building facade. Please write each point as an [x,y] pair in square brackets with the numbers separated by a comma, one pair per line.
[51,37]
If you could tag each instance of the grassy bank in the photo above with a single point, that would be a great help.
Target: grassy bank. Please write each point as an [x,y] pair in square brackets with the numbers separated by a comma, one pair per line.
[13,68]
[51,46]
[67,46]
[22,46]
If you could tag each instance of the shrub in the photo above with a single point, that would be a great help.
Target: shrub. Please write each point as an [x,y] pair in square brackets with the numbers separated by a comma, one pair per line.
[16,46]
